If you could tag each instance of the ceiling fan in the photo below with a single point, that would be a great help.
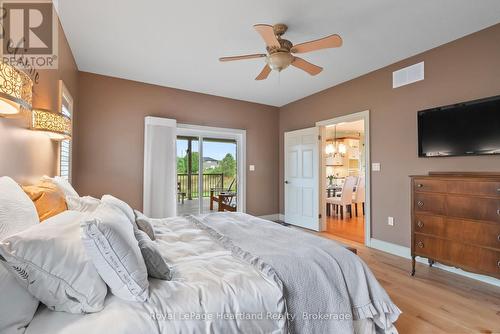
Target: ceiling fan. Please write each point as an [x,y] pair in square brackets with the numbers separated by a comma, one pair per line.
[280,51]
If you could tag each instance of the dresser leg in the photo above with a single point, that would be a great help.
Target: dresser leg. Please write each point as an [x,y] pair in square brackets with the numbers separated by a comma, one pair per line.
[431,262]
[412,266]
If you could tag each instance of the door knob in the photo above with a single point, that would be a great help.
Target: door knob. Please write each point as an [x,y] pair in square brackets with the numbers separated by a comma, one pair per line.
[286,182]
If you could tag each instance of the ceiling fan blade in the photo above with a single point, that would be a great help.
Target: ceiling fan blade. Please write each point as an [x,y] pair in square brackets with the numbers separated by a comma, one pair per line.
[258,55]
[264,73]
[306,66]
[332,41]
[266,31]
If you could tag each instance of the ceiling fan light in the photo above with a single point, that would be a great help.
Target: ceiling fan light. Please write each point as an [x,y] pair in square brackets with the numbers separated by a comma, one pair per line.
[279,60]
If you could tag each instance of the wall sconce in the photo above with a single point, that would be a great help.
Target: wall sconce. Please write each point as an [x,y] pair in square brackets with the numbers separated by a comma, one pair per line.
[56,125]
[16,89]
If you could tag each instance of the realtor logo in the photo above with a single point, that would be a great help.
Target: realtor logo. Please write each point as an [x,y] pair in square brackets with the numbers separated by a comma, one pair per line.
[29,34]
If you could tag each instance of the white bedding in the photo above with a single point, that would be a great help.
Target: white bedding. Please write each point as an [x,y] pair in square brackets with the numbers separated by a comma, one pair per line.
[207,282]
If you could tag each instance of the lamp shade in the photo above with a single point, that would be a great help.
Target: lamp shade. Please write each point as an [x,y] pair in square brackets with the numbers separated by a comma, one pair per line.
[15,90]
[55,124]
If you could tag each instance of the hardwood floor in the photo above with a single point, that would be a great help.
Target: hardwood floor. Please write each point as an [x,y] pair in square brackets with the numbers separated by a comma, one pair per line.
[348,228]
[434,301]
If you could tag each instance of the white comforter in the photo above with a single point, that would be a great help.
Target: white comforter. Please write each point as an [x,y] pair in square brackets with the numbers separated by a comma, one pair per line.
[211,292]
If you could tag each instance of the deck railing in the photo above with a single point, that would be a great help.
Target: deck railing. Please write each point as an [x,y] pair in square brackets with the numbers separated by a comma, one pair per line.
[192,188]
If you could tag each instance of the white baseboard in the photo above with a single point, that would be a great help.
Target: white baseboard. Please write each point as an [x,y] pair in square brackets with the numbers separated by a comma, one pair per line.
[406,253]
[272,217]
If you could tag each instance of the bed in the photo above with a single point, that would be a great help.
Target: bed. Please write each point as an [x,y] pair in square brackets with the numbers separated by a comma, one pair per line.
[219,288]
[230,273]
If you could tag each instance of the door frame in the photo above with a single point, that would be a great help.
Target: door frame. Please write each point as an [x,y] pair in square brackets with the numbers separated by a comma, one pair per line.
[363,115]
[239,135]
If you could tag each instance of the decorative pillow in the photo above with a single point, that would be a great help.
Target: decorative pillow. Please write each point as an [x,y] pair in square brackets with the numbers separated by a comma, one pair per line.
[50,261]
[144,224]
[111,244]
[48,198]
[124,207]
[82,204]
[63,185]
[17,305]
[155,263]
[17,211]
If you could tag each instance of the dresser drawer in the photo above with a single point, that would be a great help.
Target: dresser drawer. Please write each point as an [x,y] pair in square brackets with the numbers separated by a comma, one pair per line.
[429,185]
[479,188]
[470,232]
[457,254]
[473,208]
[432,203]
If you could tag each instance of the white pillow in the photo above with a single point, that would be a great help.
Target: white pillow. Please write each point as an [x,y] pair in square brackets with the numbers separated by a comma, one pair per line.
[63,185]
[82,204]
[50,261]
[17,211]
[17,305]
[124,207]
[110,242]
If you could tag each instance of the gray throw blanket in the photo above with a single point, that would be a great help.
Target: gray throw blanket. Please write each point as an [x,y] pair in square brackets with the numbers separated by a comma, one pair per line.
[325,285]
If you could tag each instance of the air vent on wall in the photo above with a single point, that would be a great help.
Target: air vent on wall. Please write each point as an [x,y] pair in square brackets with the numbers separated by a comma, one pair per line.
[408,75]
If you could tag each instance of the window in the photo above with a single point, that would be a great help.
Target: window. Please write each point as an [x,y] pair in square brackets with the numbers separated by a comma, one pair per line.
[65,147]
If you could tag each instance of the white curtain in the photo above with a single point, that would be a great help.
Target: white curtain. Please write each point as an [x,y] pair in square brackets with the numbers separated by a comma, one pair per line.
[160,186]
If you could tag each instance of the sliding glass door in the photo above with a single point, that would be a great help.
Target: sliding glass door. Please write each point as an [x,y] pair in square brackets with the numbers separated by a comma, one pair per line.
[207,174]
[219,181]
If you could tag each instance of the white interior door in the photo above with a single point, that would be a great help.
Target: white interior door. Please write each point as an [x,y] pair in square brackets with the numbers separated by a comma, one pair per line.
[301,178]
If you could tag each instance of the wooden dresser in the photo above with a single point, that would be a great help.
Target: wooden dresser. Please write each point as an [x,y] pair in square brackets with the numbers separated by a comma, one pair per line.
[456,220]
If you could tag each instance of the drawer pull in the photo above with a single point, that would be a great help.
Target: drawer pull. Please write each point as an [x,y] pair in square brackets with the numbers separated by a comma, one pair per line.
[421,245]
[421,204]
[498,237]
[498,264]
[420,185]
[420,225]
[498,212]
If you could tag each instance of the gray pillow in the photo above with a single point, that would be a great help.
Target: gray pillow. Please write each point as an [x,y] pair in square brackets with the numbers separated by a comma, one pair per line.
[155,263]
[144,224]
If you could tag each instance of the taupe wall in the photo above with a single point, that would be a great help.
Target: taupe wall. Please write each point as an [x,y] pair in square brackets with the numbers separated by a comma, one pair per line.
[109,153]
[466,69]
[26,155]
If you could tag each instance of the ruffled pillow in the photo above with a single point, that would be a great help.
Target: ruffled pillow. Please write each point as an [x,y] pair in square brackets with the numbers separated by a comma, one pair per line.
[109,240]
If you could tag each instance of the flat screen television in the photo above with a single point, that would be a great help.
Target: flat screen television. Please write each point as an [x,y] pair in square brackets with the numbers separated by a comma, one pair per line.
[469,128]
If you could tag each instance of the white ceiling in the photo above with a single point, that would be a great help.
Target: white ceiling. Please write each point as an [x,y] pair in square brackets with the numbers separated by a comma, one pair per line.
[178,43]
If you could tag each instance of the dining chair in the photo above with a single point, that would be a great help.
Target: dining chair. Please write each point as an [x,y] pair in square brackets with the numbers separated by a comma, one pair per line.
[344,202]
[359,195]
